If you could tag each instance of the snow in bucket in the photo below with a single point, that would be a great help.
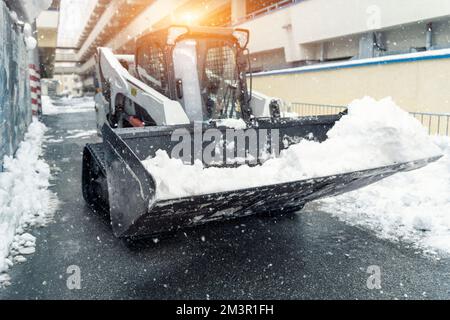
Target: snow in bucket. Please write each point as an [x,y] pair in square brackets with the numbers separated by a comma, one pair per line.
[372,134]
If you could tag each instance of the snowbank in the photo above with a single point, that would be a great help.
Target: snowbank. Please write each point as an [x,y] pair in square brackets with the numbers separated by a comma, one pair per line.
[30,41]
[25,200]
[373,134]
[67,105]
[411,206]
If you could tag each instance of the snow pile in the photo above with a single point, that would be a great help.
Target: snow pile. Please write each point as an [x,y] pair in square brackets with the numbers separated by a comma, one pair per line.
[232,123]
[48,107]
[373,134]
[411,206]
[67,105]
[25,200]
[14,16]
[30,41]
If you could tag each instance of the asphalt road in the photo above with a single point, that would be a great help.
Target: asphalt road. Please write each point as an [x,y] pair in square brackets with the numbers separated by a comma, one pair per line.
[307,255]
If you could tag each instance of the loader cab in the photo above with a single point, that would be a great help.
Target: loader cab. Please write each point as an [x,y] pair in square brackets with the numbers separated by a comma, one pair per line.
[203,68]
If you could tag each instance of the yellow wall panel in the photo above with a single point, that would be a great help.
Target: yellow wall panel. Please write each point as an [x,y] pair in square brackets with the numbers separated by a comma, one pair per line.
[416,86]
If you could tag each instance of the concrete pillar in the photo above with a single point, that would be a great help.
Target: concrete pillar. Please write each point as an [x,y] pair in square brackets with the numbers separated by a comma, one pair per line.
[323,52]
[238,10]
[429,36]
[379,44]
[366,45]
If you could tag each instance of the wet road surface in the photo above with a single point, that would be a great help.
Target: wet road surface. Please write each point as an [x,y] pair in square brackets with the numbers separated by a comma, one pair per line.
[307,255]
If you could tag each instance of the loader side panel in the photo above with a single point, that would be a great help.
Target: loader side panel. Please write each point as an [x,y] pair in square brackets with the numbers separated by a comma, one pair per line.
[173,214]
[131,188]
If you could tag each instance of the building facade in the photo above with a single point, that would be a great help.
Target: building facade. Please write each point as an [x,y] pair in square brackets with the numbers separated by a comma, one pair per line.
[284,34]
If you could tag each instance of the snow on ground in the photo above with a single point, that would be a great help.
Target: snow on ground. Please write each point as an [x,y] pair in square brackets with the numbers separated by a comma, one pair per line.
[51,139]
[67,105]
[71,134]
[373,134]
[412,206]
[75,134]
[25,200]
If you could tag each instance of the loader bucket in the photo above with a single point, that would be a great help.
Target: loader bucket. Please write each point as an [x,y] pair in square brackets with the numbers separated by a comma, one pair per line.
[115,181]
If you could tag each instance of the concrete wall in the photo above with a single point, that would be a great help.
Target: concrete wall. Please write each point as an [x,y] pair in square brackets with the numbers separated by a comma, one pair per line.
[15,100]
[48,20]
[415,84]
[269,60]
[47,29]
[340,48]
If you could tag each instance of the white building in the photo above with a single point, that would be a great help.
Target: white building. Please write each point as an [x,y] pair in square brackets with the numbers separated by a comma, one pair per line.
[284,34]
[322,30]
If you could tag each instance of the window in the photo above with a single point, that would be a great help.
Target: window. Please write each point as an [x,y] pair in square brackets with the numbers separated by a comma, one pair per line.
[221,81]
[221,64]
[151,67]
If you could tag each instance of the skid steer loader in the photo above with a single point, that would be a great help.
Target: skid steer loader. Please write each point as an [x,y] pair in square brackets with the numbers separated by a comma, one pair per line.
[193,78]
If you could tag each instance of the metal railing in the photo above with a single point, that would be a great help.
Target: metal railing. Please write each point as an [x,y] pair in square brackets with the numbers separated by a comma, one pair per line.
[436,123]
[312,109]
[276,6]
